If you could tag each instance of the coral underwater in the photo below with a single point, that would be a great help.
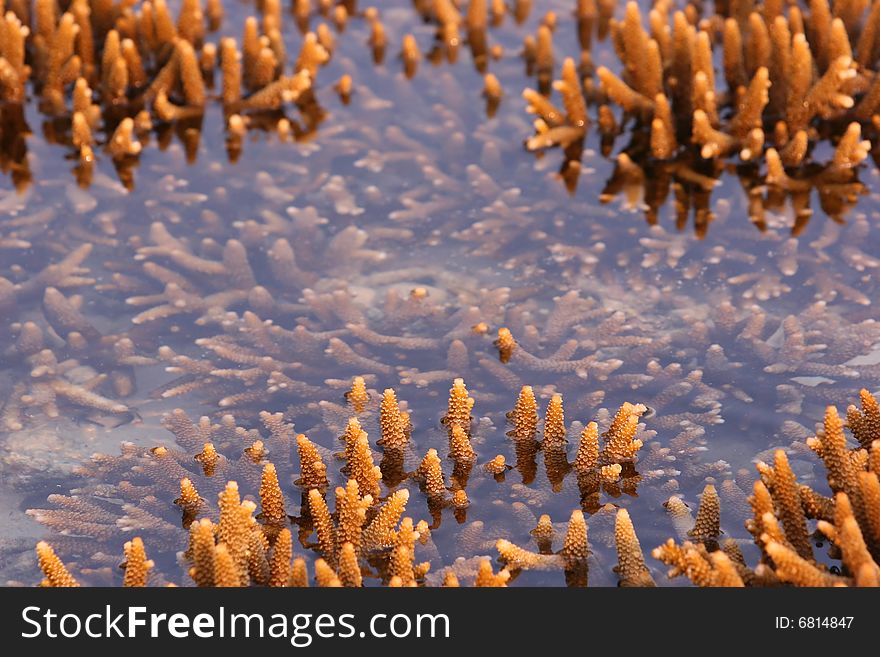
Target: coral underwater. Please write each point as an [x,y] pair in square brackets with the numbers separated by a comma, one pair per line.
[439,292]
[368,536]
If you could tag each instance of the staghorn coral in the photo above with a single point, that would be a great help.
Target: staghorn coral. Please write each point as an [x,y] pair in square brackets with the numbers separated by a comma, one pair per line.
[554,424]
[460,448]
[431,472]
[795,570]
[271,497]
[846,534]
[516,558]
[771,90]
[487,578]
[202,552]
[394,426]
[459,408]
[361,468]
[779,524]
[497,466]
[54,570]
[684,327]
[280,385]
[620,441]
[707,526]
[358,396]
[631,566]
[313,472]
[864,423]
[242,548]
[280,564]
[524,416]
[137,566]
[572,557]
[380,531]
[215,460]
[190,501]
[233,532]
[323,524]
[325,576]
[587,457]
[145,58]
[780,480]
[237,552]
[351,514]
[349,570]
[505,343]
[62,350]
[698,565]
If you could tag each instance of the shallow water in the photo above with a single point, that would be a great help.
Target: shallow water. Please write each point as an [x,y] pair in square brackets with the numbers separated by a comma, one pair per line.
[408,186]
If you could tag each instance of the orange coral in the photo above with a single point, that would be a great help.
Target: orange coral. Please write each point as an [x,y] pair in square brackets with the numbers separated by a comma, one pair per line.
[137,566]
[55,572]
[524,416]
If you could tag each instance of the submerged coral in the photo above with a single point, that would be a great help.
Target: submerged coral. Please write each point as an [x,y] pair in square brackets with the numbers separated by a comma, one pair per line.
[793,78]
[349,222]
[368,537]
[781,509]
[790,78]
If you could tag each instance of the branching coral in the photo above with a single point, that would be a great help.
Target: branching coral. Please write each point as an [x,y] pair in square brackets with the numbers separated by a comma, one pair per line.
[242,549]
[779,523]
[55,572]
[782,80]
[143,58]
[297,288]
[631,566]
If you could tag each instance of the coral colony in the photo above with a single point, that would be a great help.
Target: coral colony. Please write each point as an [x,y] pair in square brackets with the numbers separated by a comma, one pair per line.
[392,331]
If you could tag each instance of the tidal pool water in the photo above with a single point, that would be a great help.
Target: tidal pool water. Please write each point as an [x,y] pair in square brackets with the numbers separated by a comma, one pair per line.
[731,312]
